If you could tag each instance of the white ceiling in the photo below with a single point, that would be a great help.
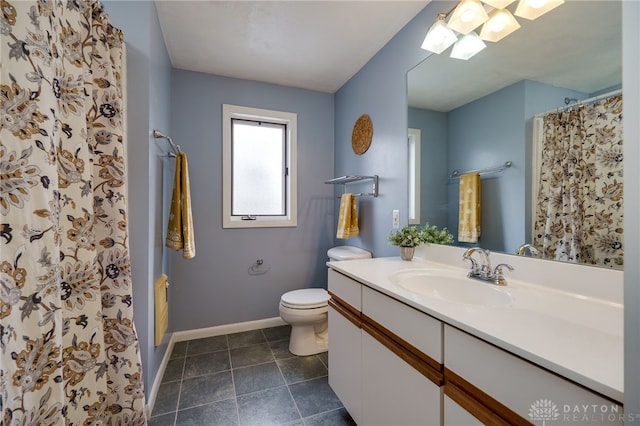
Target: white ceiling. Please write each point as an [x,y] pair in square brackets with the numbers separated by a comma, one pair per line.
[316,45]
[577,46]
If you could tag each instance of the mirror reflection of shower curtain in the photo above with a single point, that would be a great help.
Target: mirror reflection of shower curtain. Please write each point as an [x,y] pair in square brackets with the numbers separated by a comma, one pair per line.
[579,204]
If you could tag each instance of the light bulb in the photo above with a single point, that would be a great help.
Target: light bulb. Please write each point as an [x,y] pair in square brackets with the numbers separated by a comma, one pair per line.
[497,24]
[467,15]
[501,23]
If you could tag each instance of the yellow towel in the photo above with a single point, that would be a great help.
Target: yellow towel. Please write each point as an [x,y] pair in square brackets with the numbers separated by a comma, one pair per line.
[469,215]
[348,217]
[180,229]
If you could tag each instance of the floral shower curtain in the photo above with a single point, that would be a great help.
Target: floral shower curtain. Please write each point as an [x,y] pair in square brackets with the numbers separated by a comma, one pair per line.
[579,216]
[68,346]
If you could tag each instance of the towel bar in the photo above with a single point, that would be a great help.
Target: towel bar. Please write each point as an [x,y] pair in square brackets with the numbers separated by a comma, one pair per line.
[345,180]
[497,169]
[159,135]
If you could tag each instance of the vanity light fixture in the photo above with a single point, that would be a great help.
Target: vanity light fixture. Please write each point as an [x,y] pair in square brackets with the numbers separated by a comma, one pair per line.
[440,36]
[467,16]
[498,4]
[501,23]
[532,9]
[468,46]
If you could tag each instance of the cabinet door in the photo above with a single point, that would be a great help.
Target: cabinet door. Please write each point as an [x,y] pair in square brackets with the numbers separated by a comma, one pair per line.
[345,362]
[393,392]
[455,415]
[521,388]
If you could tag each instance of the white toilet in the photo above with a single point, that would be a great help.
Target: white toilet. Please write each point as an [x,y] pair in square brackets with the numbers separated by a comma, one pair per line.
[306,310]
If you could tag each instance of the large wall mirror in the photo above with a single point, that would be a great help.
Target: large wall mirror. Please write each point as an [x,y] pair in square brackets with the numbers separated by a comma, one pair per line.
[489,110]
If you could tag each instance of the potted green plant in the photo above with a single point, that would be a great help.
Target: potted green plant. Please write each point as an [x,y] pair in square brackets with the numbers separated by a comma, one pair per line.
[411,236]
[431,234]
[407,238]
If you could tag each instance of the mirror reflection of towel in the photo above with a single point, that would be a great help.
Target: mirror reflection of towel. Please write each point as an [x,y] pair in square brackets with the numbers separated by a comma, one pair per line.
[469,213]
[180,229]
[348,217]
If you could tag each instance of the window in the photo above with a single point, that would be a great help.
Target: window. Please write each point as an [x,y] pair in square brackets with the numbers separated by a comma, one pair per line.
[414,176]
[259,167]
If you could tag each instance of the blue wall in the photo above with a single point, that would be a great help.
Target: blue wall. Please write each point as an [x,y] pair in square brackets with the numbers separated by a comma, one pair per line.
[434,203]
[487,133]
[215,288]
[148,96]
[379,89]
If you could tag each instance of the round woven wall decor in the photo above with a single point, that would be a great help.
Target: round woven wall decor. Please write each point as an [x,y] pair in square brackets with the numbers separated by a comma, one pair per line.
[362,134]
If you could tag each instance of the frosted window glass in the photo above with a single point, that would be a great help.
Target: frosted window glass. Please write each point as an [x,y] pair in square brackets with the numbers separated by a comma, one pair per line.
[258,168]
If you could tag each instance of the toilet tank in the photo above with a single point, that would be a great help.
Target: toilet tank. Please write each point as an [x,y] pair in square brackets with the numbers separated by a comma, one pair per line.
[347,253]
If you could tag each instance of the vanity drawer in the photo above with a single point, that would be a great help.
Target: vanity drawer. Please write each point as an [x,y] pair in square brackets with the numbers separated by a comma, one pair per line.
[350,291]
[519,385]
[415,327]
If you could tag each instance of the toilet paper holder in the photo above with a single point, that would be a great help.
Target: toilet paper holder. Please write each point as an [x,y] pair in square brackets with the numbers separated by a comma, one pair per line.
[258,268]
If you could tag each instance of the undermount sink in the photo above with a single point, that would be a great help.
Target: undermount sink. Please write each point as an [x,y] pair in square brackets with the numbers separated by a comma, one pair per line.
[445,285]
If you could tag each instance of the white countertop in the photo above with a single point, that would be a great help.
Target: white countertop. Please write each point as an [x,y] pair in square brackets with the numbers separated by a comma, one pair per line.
[574,335]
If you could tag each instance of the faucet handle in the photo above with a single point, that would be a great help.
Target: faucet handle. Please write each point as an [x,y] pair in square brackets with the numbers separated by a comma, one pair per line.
[499,275]
[474,264]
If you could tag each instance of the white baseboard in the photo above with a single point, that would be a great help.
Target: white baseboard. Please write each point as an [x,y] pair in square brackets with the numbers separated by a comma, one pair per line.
[181,336]
[153,393]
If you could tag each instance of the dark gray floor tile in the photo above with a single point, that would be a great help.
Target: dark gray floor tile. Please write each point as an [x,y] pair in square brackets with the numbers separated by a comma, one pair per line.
[173,371]
[208,363]
[277,333]
[314,397]
[207,344]
[250,355]
[268,407]
[302,368]
[246,338]
[338,417]
[167,398]
[324,357]
[163,420]
[206,389]
[294,423]
[280,349]
[217,413]
[179,350]
[257,377]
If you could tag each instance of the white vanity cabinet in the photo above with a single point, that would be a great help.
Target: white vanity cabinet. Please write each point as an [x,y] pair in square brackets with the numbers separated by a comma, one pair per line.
[345,355]
[454,414]
[401,367]
[385,361]
[501,388]
[392,363]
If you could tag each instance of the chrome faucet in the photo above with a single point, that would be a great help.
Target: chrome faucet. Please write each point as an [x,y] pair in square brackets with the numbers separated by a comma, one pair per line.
[483,271]
[522,250]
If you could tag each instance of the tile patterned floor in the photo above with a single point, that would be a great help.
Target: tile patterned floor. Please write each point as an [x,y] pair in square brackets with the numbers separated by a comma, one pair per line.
[246,379]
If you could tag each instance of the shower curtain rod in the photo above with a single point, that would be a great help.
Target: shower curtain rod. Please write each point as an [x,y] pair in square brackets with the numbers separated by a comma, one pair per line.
[159,135]
[580,102]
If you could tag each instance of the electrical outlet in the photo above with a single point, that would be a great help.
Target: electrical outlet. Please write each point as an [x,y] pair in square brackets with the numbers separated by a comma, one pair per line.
[396,219]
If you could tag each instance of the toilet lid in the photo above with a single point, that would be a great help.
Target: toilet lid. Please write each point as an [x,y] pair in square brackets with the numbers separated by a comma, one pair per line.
[347,253]
[305,298]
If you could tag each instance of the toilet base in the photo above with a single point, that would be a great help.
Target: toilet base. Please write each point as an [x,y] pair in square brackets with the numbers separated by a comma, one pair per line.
[308,339]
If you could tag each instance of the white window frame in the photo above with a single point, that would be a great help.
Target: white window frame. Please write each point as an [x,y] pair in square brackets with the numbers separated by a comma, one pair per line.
[290,119]
[414,141]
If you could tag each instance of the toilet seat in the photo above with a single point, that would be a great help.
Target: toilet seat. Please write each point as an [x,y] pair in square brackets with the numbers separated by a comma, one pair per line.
[307,298]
